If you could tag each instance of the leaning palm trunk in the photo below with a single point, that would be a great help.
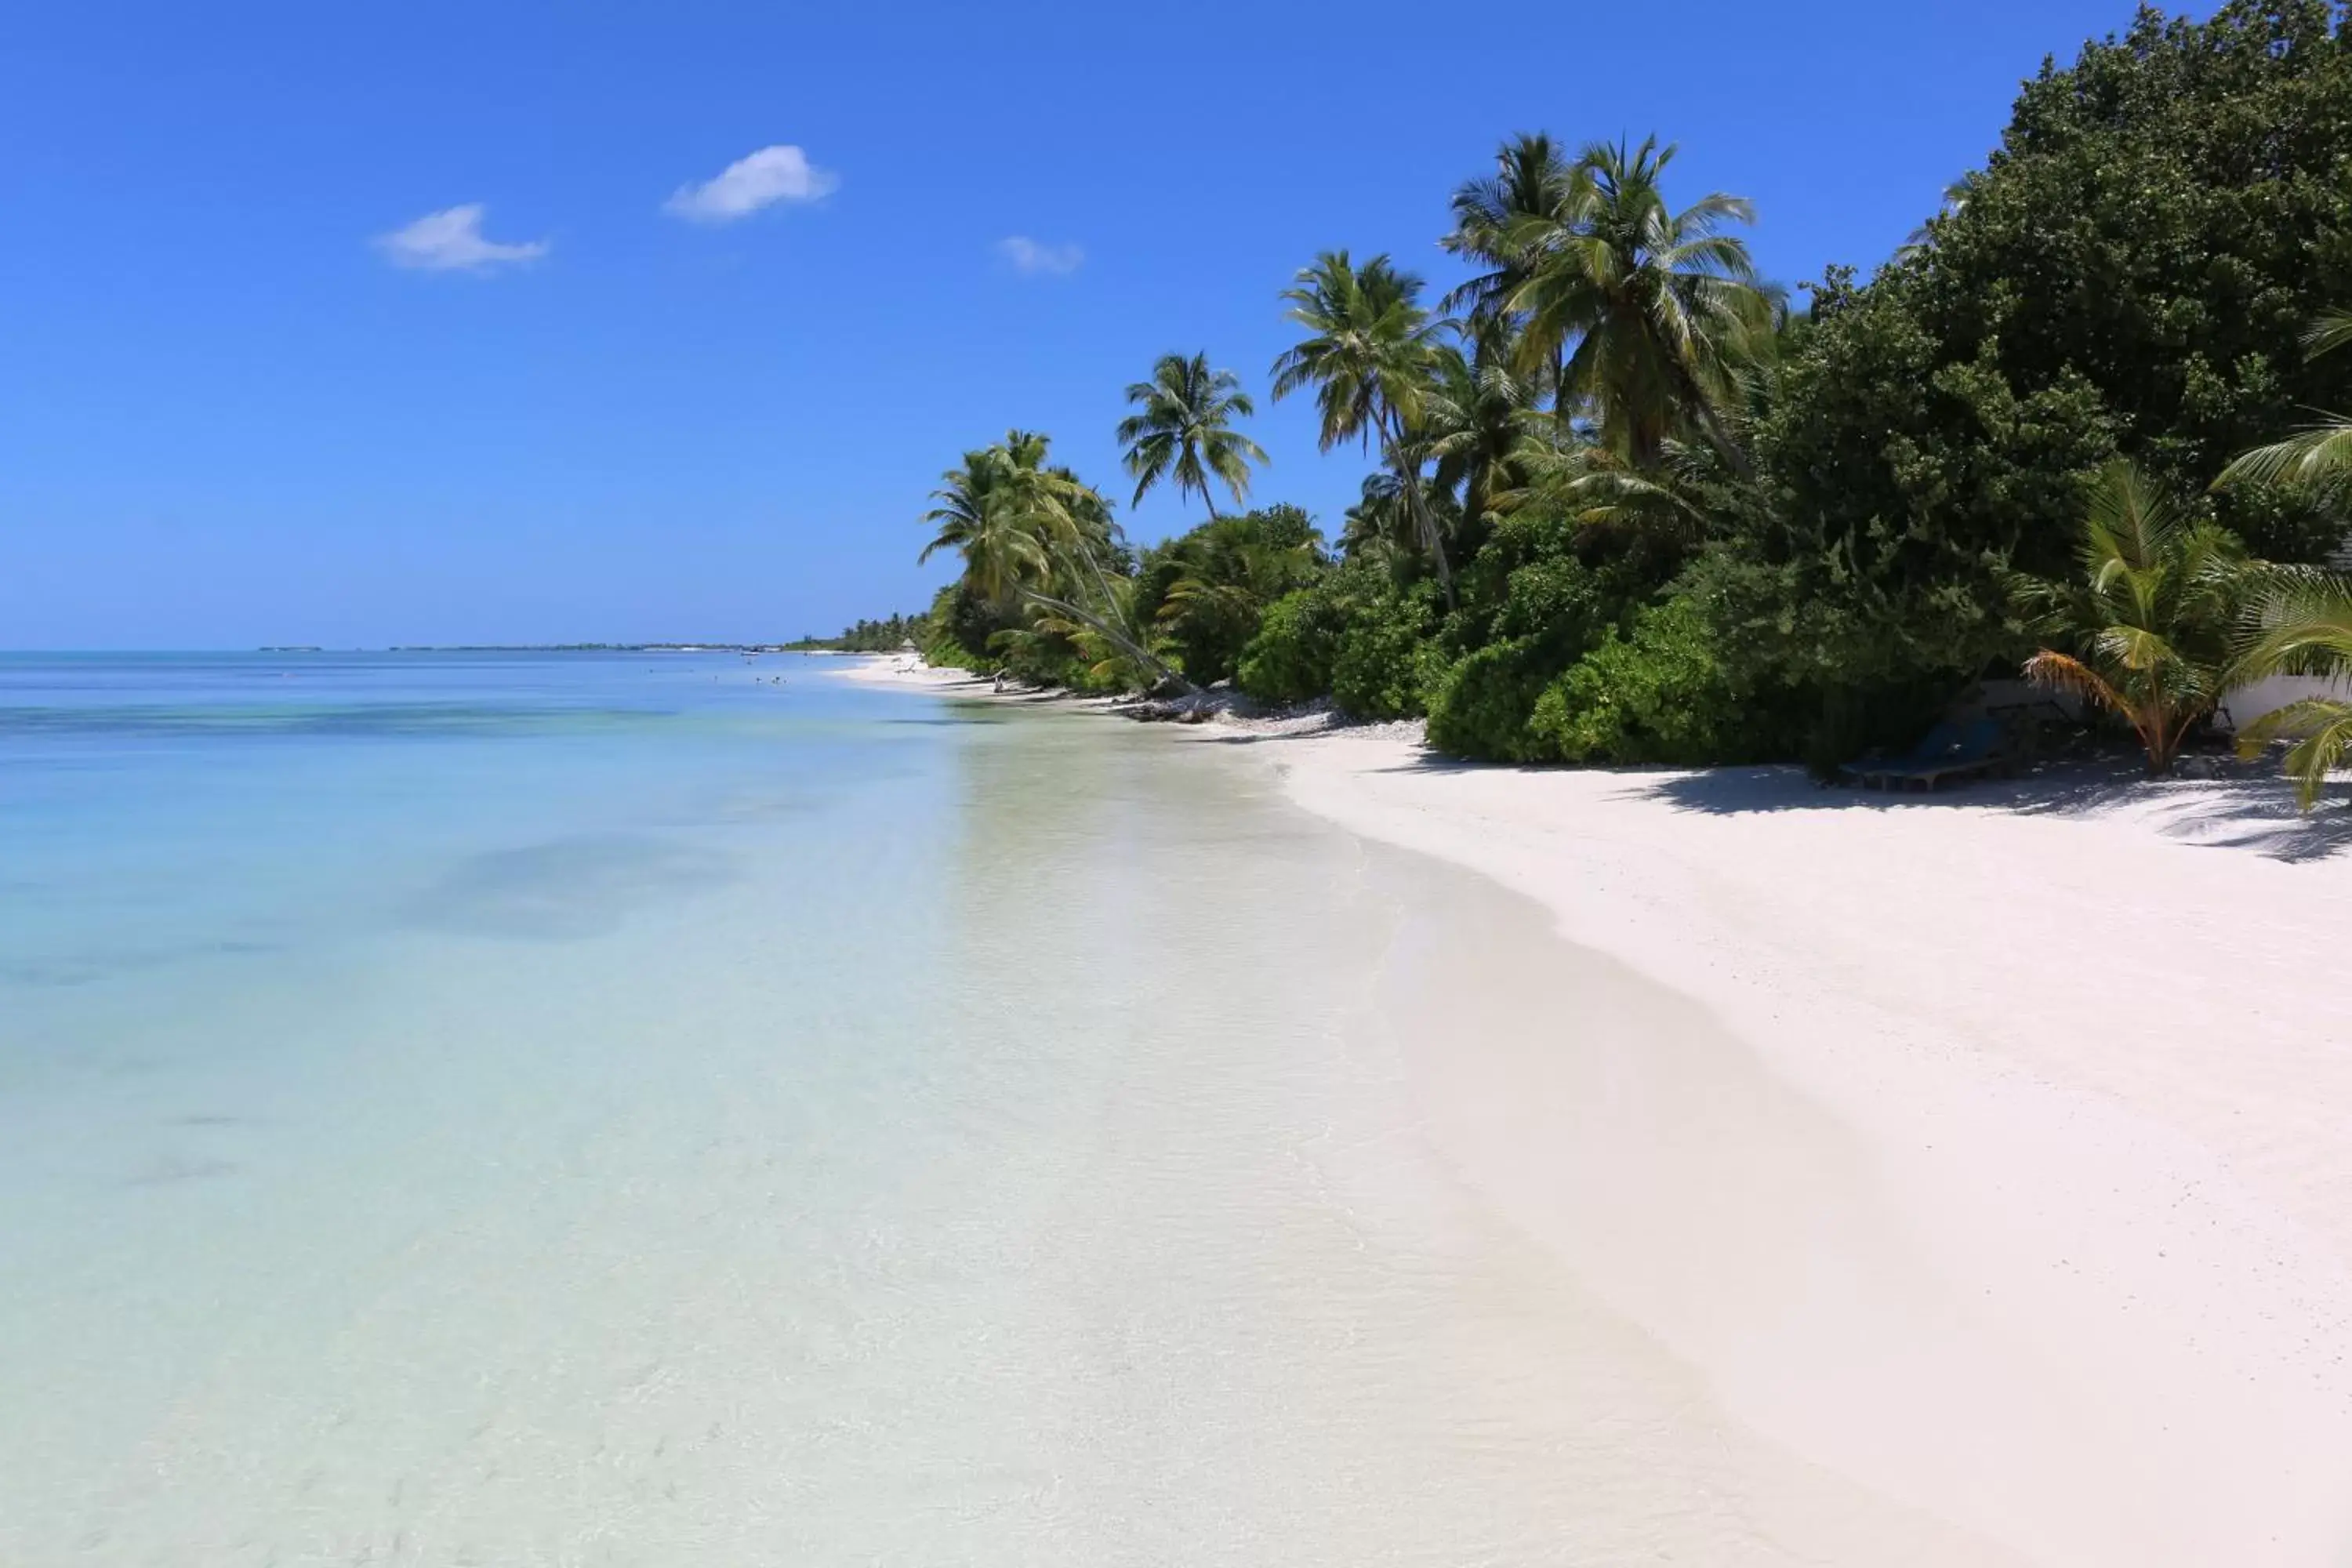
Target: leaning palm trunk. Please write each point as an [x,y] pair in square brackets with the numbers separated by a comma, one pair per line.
[1124,640]
[1110,634]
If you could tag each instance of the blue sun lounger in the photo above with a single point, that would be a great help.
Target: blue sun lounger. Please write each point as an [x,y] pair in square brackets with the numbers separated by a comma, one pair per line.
[1952,750]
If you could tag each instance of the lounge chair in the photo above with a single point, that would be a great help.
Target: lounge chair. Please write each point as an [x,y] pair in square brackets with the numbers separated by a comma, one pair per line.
[1952,750]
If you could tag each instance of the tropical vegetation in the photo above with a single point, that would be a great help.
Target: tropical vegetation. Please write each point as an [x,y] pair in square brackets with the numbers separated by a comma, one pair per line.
[1630,502]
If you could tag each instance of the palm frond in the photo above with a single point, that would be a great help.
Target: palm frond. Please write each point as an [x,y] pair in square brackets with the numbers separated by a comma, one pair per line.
[2064,672]
[2329,331]
[2319,455]
[2321,728]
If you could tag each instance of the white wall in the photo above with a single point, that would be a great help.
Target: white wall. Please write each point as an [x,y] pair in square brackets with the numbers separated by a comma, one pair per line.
[2243,706]
[2250,702]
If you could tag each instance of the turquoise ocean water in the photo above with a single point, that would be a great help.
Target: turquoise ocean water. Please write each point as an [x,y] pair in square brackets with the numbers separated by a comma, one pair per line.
[660,1109]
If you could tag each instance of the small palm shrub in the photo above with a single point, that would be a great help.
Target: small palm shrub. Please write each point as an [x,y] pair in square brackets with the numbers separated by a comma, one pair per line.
[2150,621]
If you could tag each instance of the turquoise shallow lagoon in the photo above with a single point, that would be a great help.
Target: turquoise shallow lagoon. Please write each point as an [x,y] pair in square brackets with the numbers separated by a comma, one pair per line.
[603,1109]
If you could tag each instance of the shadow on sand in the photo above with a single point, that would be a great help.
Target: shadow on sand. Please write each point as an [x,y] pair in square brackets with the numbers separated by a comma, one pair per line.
[2253,812]
[2257,813]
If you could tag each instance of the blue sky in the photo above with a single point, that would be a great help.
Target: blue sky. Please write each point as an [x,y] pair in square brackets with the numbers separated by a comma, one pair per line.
[236,407]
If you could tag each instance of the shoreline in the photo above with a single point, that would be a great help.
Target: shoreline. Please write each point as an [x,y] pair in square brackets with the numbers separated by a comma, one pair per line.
[2028,1204]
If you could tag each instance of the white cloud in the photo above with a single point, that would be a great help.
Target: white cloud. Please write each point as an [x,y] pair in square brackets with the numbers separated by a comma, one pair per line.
[451,240]
[770,176]
[1034,257]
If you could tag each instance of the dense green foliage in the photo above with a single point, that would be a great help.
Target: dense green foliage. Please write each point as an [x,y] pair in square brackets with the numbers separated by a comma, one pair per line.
[1047,587]
[1205,592]
[1289,658]
[1660,695]
[2131,273]
[1628,508]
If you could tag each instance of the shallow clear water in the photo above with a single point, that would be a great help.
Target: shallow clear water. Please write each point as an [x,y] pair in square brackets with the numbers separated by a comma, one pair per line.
[599,1109]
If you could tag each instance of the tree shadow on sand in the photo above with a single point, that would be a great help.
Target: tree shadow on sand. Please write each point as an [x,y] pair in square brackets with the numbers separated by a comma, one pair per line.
[2254,814]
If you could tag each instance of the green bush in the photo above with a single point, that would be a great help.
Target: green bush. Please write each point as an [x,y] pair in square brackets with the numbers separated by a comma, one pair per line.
[1385,664]
[1559,602]
[1035,658]
[1205,592]
[1481,706]
[958,629]
[1529,582]
[1661,696]
[1528,611]
[1297,640]
[2131,273]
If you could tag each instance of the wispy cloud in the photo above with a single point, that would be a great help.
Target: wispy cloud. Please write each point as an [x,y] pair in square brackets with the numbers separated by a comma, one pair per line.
[772,174]
[1035,257]
[451,240]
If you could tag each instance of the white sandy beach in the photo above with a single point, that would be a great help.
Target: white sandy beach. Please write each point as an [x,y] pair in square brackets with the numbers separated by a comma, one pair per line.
[2016,1184]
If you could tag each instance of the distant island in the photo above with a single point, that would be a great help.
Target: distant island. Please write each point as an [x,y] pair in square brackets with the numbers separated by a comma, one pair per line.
[585,647]
[886,635]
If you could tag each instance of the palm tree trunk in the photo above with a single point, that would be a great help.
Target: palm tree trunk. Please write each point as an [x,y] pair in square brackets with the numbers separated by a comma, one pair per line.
[1418,507]
[1644,444]
[1102,585]
[1710,423]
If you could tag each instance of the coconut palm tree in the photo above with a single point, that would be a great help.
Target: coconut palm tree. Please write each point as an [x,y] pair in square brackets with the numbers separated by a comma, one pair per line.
[1480,420]
[1185,431]
[1369,356]
[1533,177]
[2151,618]
[1035,537]
[1663,308]
[994,511]
[1377,528]
[2300,623]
